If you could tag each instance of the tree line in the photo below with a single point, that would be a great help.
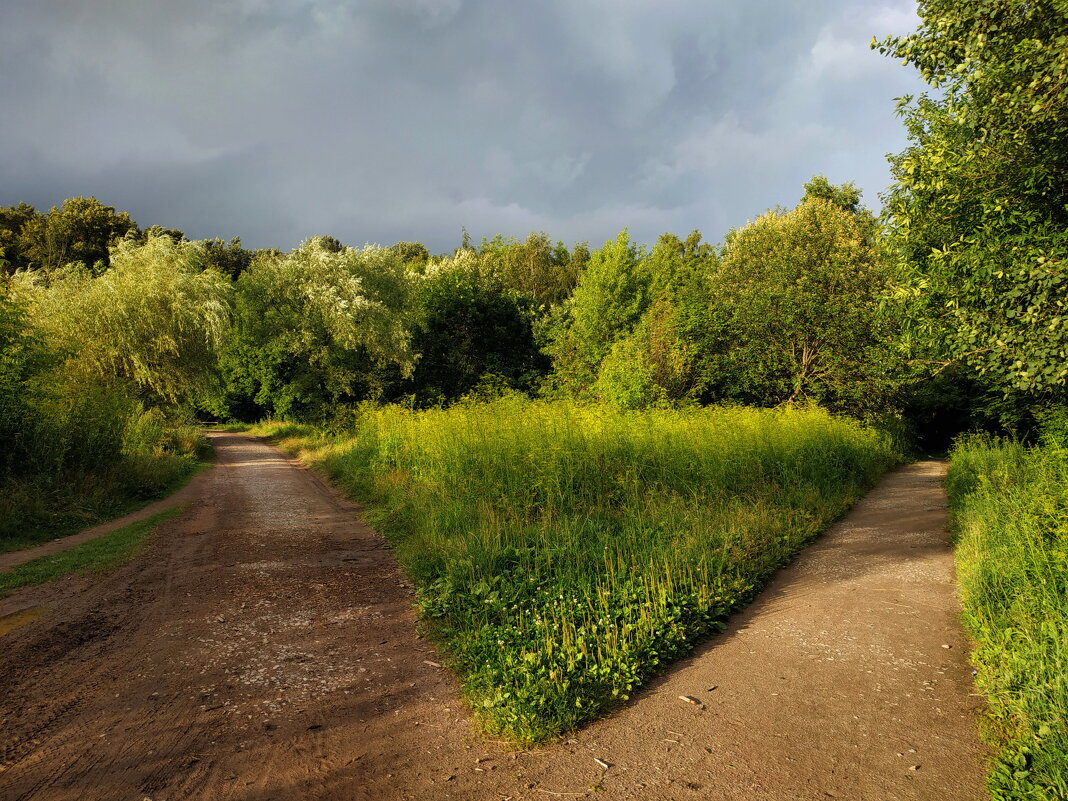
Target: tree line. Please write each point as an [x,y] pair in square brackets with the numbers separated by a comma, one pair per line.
[785,310]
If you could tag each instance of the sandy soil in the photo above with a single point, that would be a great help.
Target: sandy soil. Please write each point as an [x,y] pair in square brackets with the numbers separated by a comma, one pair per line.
[265,648]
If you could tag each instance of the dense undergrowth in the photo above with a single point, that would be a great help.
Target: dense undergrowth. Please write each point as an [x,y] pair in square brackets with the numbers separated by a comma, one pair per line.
[85,465]
[564,554]
[84,434]
[1010,506]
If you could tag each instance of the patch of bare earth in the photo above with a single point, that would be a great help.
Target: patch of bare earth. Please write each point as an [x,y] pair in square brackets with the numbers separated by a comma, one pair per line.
[265,648]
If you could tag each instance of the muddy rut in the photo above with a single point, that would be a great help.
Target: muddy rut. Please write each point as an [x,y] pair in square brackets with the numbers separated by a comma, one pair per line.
[265,648]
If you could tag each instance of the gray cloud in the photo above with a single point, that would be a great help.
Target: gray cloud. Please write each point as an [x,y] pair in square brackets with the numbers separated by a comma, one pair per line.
[407,119]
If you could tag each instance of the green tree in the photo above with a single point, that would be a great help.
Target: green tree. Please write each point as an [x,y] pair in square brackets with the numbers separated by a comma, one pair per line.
[978,214]
[536,267]
[153,231]
[845,196]
[411,252]
[312,328]
[156,319]
[228,258]
[469,330]
[12,221]
[21,358]
[663,358]
[798,293]
[80,231]
[612,294]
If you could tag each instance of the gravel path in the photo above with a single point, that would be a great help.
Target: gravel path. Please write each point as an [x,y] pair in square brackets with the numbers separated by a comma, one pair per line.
[265,648]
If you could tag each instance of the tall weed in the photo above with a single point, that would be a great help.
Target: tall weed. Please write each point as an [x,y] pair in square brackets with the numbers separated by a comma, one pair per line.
[563,554]
[1010,506]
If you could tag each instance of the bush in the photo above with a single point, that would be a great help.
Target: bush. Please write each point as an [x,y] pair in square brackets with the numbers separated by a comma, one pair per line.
[76,448]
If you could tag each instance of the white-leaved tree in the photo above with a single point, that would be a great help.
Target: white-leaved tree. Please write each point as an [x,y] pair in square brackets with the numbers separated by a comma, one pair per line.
[315,327]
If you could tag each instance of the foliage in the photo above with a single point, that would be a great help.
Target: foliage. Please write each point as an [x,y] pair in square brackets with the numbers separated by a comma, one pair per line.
[155,319]
[846,196]
[12,220]
[79,232]
[469,330]
[228,258]
[800,292]
[414,253]
[625,378]
[665,356]
[978,214]
[565,554]
[76,442]
[789,312]
[536,268]
[87,453]
[1010,506]
[613,292]
[22,358]
[312,327]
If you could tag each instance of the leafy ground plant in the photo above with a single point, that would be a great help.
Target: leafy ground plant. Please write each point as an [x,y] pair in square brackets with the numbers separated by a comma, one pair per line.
[564,554]
[1010,505]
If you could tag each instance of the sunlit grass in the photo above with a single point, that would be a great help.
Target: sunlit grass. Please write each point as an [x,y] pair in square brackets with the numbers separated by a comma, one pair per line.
[564,554]
[102,553]
[1010,505]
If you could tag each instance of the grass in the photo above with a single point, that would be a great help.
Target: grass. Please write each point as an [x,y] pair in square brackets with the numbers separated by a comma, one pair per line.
[102,553]
[1010,507]
[563,555]
[34,510]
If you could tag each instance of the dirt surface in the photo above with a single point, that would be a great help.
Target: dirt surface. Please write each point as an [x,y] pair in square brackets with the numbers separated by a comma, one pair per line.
[265,648]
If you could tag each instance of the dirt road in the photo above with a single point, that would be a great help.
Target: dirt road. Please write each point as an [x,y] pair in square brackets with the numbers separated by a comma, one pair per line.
[265,648]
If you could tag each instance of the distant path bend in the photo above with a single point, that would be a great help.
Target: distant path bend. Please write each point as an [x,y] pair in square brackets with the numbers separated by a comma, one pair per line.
[265,648]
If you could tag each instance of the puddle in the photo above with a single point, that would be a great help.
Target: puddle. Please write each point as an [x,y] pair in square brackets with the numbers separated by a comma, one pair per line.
[8,623]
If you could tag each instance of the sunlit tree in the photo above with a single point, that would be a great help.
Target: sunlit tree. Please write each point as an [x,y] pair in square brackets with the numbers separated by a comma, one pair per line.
[156,318]
[978,214]
[312,326]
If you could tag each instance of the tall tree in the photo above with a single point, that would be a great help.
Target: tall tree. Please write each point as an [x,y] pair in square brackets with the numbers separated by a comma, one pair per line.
[12,221]
[662,358]
[846,195]
[469,331]
[536,267]
[229,258]
[80,231]
[156,319]
[978,214]
[799,292]
[612,294]
[411,252]
[312,326]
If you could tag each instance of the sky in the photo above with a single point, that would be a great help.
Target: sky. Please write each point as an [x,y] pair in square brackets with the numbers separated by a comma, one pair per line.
[378,121]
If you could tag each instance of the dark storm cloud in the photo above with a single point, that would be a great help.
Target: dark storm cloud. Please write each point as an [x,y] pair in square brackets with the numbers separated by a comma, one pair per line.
[407,119]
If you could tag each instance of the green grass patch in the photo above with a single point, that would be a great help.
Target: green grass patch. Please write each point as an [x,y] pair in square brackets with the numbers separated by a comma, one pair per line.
[1010,507]
[37,509]
[565,554]
[99,554]
[235,428]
